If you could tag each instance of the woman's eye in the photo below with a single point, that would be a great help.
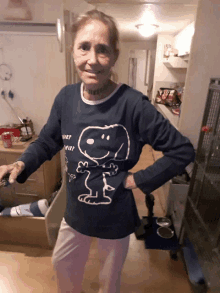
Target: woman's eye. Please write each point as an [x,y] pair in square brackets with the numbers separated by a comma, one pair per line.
[85,47]
[102,50]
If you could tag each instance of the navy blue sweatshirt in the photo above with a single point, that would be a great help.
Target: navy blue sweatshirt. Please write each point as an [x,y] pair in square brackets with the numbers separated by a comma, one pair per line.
[103,140]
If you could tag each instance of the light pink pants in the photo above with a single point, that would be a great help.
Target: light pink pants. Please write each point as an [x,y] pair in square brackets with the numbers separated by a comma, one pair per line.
[71,253]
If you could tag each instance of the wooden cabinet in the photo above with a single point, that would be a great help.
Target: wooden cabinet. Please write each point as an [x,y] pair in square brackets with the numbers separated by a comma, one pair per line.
[41,184]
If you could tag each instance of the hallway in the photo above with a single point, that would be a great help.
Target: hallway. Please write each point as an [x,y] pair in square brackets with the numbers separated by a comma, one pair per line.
[29,269]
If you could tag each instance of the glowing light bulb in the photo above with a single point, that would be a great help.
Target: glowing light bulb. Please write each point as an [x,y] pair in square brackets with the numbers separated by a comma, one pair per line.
[147,30]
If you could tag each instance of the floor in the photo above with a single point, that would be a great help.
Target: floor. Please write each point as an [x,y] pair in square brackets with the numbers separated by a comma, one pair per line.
[28,269]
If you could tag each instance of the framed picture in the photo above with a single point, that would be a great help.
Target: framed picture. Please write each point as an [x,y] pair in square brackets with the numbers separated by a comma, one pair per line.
[132,72]
[147,67]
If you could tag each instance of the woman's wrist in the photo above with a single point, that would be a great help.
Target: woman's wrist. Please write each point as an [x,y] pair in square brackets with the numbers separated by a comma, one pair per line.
[129,182]
[19,165]
[17,168]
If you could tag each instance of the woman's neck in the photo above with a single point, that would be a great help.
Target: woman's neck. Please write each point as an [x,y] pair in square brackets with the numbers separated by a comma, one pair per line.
[101,93]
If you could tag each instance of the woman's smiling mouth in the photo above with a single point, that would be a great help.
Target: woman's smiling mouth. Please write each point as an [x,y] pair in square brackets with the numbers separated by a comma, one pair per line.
[93,71]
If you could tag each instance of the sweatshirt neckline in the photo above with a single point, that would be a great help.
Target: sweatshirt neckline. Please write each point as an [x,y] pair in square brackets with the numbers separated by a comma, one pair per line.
[89,102]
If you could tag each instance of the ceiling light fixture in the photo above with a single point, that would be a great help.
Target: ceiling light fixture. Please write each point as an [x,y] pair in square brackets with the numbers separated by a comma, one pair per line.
[147,30]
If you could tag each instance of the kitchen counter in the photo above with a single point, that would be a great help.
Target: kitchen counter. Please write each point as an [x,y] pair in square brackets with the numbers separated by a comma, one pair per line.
[17,147]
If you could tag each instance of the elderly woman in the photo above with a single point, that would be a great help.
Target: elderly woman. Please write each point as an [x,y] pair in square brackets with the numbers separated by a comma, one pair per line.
[103,126]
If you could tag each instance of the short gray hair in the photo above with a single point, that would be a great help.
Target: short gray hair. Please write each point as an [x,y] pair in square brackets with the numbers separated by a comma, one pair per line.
[82,19]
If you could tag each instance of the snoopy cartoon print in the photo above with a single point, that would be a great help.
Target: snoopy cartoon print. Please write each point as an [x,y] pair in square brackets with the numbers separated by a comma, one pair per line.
[103,146]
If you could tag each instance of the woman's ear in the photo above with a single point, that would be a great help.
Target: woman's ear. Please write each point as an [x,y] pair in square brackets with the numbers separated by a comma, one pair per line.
[116,56]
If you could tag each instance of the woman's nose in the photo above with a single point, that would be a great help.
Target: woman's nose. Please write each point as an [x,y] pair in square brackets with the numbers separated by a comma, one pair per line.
[92,57]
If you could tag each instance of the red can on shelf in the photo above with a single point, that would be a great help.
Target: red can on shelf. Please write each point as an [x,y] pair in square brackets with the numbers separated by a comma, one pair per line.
[7,138]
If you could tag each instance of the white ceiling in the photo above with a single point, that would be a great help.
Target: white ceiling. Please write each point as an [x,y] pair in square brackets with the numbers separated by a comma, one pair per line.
[171,15]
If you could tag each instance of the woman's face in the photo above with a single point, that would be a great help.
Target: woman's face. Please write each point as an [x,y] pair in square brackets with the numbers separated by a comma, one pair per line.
[93,54]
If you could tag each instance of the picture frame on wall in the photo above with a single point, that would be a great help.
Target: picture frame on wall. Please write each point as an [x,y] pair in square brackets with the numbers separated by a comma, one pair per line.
[132,72]
[147,67]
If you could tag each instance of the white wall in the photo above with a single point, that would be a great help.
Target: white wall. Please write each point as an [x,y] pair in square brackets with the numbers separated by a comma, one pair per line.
[77,6]
[41,10]
[49,10]
[204,63]
[162,73]
[38,67]
[183,40]
[122,64]
[38,73]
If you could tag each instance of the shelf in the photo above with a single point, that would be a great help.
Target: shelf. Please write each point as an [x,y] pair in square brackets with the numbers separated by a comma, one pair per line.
[184,57]
[176,62]
[27,27]
[174,119]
